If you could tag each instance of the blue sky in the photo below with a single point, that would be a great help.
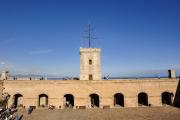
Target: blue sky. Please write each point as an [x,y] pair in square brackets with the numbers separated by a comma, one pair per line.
[137,37]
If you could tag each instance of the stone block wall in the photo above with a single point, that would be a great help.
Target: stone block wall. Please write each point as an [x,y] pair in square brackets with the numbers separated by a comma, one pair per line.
[82,89]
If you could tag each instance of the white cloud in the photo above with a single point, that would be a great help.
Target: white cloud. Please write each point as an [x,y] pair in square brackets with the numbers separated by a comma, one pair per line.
[2,63]
[44,51]
[8,41]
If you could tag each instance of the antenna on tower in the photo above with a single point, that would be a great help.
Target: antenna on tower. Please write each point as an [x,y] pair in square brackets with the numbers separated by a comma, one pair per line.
[89,36]
[171,66]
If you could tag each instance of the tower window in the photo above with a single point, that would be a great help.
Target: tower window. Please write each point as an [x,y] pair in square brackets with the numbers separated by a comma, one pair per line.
[90,62]
[90,77]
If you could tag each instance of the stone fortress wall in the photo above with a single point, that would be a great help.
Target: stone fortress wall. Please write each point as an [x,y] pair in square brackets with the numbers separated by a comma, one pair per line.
[91,91]
[55,90]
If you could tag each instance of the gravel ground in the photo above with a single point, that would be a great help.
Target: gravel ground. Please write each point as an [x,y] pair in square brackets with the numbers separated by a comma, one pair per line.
[140,113]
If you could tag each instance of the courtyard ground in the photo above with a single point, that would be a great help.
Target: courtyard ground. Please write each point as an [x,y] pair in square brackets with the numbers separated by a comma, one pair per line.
[139,113]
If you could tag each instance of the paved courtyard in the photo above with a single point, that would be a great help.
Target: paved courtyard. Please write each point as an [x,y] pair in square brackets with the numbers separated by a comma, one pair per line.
[140,113]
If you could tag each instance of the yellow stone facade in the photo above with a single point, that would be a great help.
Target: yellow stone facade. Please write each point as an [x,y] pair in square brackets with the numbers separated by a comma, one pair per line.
[90,65]
[91,91]
[81,91]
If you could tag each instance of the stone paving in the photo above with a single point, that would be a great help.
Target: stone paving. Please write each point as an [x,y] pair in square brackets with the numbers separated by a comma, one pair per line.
[138,113]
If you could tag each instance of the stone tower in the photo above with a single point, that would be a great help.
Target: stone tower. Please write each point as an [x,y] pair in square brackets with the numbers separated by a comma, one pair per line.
[171,73]
[4,75]
[90,65]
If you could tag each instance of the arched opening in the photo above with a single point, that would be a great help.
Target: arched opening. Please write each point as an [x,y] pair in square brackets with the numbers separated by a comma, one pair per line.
[18,100]
[69,101]
[142,99]
[43,100]
[94,98]
[119,100]
[167,98]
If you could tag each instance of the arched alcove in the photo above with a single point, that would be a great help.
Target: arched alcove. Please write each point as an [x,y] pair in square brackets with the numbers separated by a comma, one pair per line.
[94,99]
[119,100]
[142,99]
